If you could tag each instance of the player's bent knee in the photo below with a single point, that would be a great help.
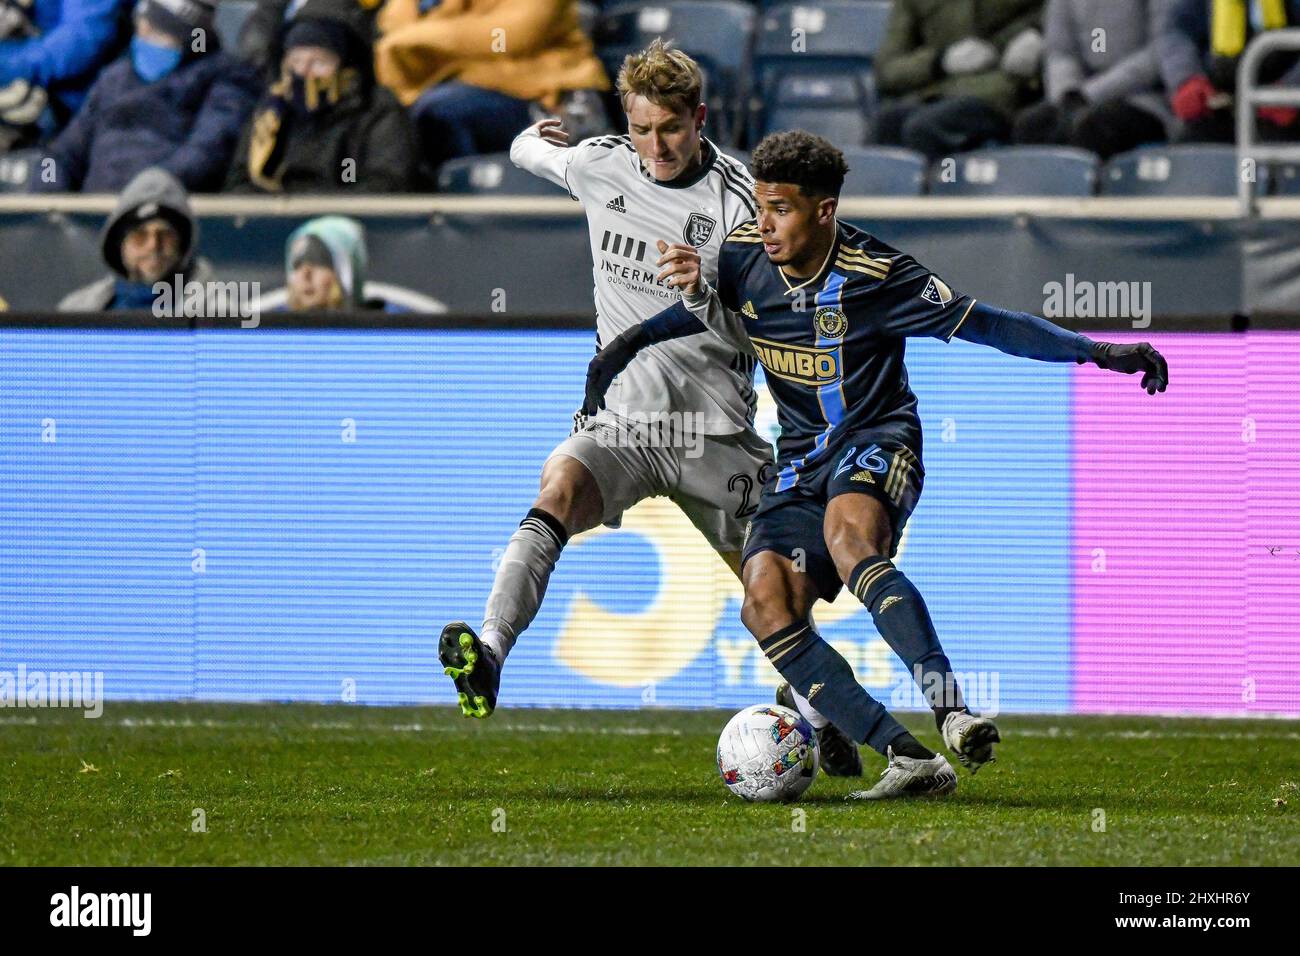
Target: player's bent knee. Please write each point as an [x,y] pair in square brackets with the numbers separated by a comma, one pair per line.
[853,537]
[569,492]
[851,549]
[772,602]
[764,615]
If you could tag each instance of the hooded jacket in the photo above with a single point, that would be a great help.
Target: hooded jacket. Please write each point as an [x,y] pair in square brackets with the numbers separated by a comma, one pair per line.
[187,123]
[283,150]
[152,192]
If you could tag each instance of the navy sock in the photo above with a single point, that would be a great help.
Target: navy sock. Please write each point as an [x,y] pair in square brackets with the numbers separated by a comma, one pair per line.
[904,622]
[905,745]
[818,672]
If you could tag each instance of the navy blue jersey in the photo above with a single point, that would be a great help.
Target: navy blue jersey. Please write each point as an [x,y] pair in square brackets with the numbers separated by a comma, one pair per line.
[833,345]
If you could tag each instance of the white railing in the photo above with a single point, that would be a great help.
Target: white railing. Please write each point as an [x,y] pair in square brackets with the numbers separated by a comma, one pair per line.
[1251,96]
[851,207]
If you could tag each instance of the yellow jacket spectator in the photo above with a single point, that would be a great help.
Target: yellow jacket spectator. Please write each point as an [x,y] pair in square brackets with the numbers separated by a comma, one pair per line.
[471,69]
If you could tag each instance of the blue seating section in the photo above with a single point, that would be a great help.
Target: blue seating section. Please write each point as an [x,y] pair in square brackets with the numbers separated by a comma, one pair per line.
[1188,170]
[1017,171]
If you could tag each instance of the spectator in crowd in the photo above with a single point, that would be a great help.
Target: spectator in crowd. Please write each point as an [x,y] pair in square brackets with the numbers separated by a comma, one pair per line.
[150,237]
[471,69]
[50,51]
[955,73]
[324,125]
[1199,49]
[1101,76]
[325,262]
[260,37]
[175,101]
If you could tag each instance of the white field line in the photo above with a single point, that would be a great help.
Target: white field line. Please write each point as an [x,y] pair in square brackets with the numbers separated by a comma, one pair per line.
[141,723]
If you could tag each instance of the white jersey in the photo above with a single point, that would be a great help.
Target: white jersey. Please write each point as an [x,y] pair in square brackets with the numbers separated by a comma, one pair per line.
[628,212]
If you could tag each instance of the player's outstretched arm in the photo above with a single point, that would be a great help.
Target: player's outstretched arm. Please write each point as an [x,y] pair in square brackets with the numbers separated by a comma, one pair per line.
[1029,336]
[700,311]
[540,150]
[671,323]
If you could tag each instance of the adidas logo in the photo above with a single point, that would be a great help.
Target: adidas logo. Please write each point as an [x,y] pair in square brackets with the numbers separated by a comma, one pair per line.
[812,691]
[888,602]
[616,204]
[747,310]
[863,476]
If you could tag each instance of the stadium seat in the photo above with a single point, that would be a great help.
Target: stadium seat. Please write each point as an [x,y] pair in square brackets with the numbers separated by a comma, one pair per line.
[717,33]
[492,174]
[845,125]
[230,18]
[1017,171]
[883,171]
[816,58]
[1286,179]
[16,169]
[1186,170]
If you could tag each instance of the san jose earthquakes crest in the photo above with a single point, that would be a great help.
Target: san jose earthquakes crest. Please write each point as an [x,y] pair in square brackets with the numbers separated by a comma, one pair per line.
[699,228]
[830,322]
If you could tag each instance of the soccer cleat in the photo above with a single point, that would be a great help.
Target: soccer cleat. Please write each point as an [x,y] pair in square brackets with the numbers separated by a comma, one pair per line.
[840,756]
[971,738]
[472,666]
[912,777]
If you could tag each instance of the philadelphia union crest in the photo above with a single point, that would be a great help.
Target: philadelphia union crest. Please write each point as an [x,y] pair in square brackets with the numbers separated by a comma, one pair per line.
[698,229]
[830,322]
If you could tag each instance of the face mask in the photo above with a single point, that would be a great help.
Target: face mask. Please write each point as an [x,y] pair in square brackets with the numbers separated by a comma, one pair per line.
[314,94]
[151,61]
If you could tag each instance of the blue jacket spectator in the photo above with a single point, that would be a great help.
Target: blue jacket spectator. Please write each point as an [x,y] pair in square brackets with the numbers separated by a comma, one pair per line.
[175,101]
[56,46]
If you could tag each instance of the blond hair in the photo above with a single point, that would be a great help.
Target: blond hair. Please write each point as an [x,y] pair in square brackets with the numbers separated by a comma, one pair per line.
[665,76]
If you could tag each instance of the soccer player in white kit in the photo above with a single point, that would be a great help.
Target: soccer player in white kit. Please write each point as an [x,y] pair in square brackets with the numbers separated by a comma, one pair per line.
[678,421]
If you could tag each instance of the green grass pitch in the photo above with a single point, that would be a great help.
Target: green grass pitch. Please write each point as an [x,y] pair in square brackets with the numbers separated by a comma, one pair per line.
[301,784]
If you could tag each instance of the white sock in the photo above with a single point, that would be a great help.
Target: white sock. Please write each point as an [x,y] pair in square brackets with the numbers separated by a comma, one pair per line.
[496,642]
[521,579]
[810,713]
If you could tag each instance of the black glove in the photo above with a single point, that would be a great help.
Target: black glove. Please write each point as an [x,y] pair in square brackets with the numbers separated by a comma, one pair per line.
[607,363]
[1134,358]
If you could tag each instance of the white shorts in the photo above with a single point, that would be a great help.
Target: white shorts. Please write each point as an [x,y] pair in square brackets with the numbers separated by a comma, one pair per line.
[715,479]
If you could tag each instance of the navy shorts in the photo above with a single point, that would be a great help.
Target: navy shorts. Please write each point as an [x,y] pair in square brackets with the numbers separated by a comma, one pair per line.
[791,522]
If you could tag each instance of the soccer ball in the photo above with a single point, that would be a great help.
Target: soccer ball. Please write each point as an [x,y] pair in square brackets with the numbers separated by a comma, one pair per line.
[768,752]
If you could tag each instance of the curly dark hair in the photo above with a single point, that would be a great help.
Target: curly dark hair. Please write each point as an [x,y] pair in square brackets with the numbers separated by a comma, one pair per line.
[808,161]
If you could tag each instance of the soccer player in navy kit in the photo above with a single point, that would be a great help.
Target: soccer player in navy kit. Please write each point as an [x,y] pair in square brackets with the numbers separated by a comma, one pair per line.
[826,308]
